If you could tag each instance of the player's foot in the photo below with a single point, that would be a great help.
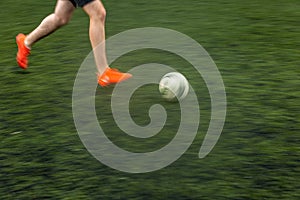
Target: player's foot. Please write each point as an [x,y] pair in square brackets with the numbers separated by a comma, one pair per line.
[112,76]
[23,51]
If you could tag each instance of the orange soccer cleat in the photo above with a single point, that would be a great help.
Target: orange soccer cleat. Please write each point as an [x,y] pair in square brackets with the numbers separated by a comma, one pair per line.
[112,76]
[23,51]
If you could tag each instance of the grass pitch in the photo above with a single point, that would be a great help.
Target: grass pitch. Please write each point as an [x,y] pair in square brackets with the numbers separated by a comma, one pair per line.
[256,46]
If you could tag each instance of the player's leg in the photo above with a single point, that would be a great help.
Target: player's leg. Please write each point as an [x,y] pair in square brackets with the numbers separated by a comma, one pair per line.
[97,14]
[61,15]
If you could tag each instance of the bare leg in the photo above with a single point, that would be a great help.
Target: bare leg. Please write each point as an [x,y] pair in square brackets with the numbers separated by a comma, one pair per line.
[97,14]
[61,16]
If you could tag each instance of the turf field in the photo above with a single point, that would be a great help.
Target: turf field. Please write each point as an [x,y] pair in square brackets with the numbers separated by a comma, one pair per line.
[256,46]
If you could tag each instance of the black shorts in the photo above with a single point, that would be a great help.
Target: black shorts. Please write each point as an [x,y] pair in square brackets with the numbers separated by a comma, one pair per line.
[80,3]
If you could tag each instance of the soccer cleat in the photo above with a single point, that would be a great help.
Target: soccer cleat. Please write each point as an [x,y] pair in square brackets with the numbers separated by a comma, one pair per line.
[23,51]
[112,76]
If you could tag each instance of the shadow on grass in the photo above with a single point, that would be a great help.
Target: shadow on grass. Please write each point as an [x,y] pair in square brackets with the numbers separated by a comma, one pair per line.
[21,72]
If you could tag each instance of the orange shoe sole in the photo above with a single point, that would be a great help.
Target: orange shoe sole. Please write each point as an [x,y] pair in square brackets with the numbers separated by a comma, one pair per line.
[23,51]
[112,76]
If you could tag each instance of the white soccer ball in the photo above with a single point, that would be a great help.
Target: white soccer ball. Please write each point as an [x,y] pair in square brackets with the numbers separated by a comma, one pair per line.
[173,86]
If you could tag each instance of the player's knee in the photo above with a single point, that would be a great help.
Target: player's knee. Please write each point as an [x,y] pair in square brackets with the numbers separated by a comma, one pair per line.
[100,14]
[61,21]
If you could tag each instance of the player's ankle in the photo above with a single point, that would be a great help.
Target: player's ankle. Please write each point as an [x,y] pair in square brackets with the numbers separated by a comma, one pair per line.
[26,43]
[103,70]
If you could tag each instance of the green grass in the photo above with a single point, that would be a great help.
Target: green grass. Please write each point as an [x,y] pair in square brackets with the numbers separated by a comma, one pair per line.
[256,46]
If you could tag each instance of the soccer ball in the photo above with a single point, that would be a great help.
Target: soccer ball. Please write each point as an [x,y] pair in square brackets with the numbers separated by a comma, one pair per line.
[173,86]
